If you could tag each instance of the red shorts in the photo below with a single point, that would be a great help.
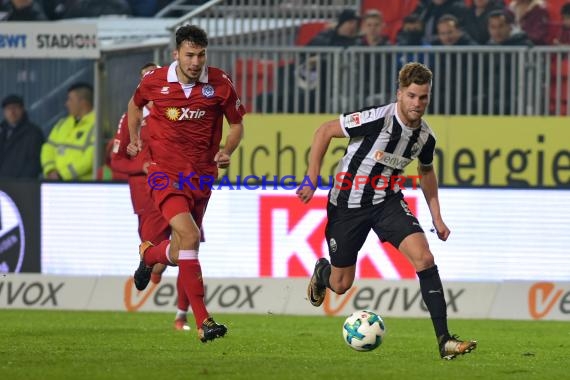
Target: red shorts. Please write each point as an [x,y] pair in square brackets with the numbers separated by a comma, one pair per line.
[171,198]
[152,226]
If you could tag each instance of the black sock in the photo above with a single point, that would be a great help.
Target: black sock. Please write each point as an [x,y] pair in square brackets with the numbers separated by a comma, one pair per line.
[324,276]
[434,298]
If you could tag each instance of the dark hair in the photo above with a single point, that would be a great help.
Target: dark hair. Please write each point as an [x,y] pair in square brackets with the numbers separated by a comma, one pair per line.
[193,34]
[565,10]
[508,16]
[13,99]
[146,65]
[84,90]
[412,19]
[448,18]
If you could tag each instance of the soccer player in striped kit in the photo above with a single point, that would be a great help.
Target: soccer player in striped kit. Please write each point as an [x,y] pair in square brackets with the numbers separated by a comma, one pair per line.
[367,195]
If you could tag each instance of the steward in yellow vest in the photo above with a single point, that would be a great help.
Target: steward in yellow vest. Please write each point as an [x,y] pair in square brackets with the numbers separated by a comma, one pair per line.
[68,153]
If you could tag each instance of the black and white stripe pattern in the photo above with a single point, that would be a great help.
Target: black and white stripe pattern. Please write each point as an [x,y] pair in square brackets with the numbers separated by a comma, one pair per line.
[380,144]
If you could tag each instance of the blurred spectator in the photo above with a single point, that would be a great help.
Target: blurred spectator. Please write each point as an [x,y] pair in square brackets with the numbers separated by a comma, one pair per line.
[533,18]
[476,26]
[447,99]
[20,141]
[503,66]
[449,33]
[502,32]
[374,72]
[412,32]
[371,29]
[68,153]
[58,9]
[25,10]
[563,37]
[430,11]
[344,34]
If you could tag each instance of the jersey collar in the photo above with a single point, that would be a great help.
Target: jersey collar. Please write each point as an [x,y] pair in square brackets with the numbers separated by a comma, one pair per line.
[172,77]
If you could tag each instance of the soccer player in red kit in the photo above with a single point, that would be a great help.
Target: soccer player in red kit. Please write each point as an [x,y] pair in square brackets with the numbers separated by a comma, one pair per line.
[152,226]
[190,101]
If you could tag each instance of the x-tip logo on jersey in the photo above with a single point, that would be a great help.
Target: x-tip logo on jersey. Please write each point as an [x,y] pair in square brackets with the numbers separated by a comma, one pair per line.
[165,90]
[183,113]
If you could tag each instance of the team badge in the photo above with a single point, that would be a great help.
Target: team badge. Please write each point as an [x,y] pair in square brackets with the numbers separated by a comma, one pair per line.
[415,149]
[208,91]
[116,145]
[352,120]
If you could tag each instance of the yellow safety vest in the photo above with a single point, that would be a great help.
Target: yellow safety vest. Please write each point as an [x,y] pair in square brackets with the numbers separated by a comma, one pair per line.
[70,148]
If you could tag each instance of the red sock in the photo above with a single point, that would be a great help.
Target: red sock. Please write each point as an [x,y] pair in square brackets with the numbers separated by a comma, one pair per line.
[157,254]
[190,274]
[183,302]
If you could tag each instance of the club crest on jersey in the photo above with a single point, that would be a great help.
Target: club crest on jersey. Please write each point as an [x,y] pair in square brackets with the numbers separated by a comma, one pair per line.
[415,149]
[208,91]
[392,160]
[352,120]
[183,113]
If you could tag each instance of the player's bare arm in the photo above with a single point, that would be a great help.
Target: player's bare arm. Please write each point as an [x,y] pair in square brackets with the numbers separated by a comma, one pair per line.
[223,157]
[429,187]
[134,117]
[319,147]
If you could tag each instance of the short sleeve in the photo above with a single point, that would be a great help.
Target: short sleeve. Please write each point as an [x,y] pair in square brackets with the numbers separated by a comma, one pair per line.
[141,95]
[426,155]
[233,109]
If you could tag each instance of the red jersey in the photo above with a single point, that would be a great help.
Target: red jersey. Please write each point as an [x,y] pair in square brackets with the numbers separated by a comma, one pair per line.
[132,166]
[185,123]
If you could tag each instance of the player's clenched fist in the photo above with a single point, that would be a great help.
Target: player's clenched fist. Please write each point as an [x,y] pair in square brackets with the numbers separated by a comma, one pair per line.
[134,147]
[222,159]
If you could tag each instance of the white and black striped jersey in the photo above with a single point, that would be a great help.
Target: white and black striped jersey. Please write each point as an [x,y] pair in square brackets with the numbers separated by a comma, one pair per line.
[380,147]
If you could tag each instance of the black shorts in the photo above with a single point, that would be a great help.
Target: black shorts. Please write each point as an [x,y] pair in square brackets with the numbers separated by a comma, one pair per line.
[348,228]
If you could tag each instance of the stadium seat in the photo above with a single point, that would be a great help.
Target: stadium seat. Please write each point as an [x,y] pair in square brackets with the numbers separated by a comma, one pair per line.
[308,30]
[247,68]
[554,29]
[554,7]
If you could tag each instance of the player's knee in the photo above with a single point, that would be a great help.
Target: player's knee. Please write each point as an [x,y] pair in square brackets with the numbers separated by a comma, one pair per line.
[190,240]
[424,261]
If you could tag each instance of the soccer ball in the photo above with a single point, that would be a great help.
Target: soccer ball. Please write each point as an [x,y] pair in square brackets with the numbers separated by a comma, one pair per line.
[363,330]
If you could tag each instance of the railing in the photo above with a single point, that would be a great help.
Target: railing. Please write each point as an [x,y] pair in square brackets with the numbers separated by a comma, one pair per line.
[477,80]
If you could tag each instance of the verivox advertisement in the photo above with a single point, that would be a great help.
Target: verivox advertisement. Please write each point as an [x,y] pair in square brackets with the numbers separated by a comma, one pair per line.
[521,300]
[470,151]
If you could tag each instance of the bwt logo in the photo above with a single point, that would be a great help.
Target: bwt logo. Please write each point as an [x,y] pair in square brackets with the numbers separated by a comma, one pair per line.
[292,238]
[543,296]
[12,41]
[177,114]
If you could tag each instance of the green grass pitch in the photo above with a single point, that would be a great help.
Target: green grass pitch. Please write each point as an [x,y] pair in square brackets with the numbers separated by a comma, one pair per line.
[119,345]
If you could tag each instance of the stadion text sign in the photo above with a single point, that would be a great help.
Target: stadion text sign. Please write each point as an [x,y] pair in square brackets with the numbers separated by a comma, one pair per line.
[49,40]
